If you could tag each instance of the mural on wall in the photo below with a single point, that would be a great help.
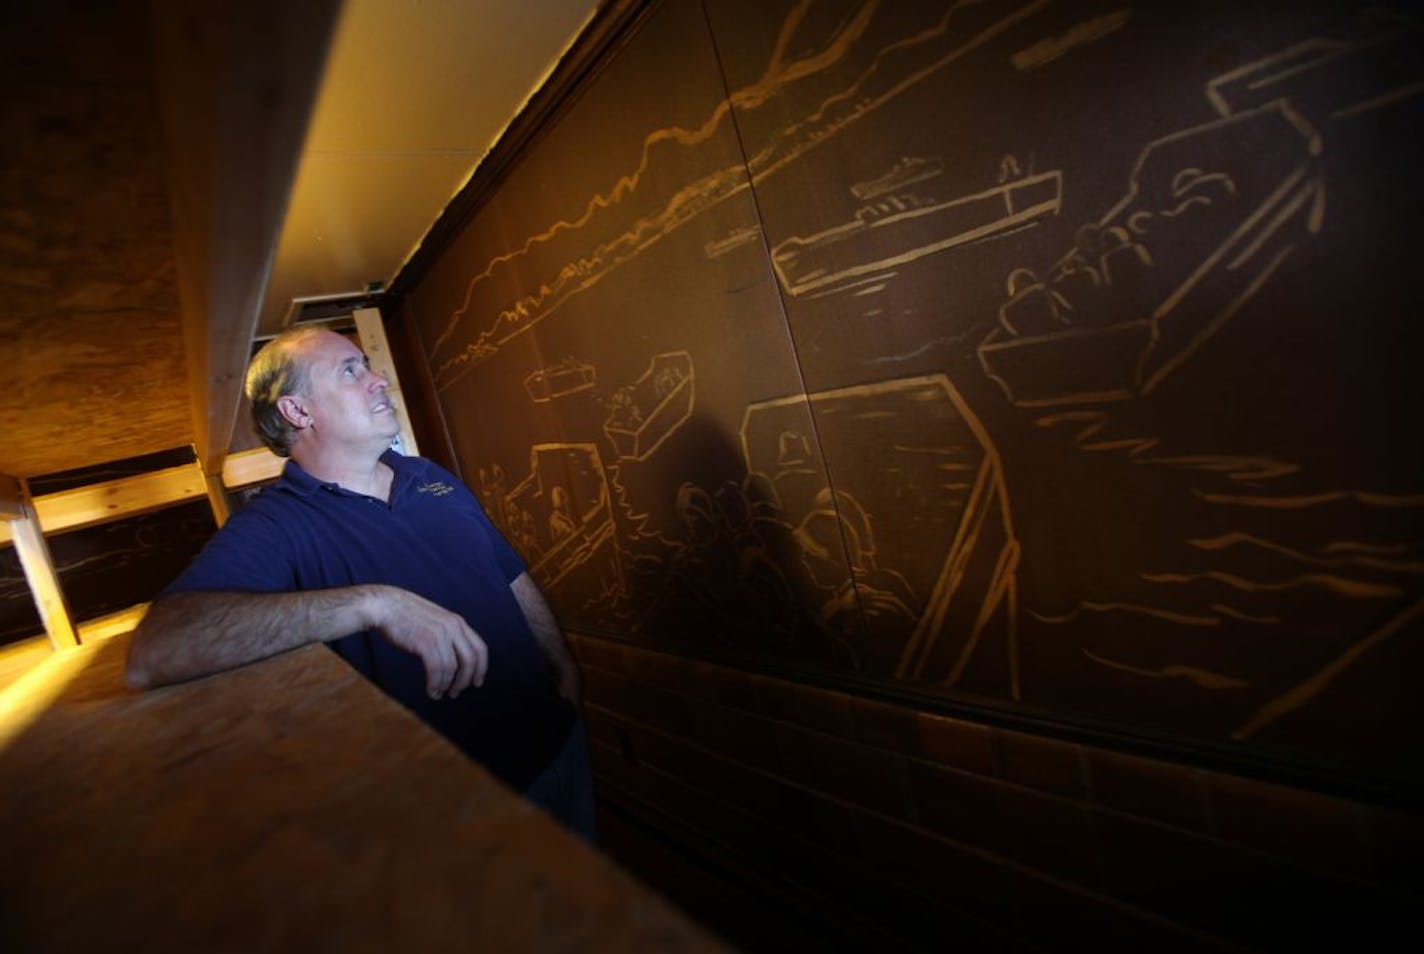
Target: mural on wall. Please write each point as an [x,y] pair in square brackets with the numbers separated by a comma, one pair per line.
[1042,353]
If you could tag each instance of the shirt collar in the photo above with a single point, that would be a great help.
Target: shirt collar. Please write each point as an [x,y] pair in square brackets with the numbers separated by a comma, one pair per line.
[303,484]
[298,481]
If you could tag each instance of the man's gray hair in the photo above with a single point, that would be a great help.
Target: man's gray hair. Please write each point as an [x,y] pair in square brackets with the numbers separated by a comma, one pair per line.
[275,371]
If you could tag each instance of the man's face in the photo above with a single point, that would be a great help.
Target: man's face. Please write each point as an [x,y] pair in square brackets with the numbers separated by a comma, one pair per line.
[346,402]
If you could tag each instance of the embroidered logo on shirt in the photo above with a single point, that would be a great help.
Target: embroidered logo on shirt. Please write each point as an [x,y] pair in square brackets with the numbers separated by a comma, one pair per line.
[438,488]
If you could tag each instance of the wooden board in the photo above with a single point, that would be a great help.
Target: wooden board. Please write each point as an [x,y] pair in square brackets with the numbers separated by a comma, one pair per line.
[92,343]
[319,814]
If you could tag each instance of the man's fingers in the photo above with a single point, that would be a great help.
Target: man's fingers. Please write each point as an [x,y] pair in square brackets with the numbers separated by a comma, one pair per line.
[464,664]
[480,653]
[439,669]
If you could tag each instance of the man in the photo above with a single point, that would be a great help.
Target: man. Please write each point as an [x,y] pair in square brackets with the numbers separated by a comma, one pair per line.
[390,560]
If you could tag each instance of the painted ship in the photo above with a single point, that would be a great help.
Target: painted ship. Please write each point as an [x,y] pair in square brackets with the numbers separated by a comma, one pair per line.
[561,519]
[915,439]
[1210,213]
[566,377]
[898,227]
[646,413]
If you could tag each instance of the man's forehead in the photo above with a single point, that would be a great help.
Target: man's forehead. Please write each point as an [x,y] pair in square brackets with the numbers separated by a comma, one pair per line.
[328,347]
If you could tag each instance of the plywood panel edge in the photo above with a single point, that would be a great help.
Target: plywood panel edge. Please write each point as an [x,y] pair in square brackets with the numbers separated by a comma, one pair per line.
[234,125]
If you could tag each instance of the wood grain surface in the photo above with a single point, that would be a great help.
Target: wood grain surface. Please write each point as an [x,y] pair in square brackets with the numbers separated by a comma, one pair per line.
[287,805]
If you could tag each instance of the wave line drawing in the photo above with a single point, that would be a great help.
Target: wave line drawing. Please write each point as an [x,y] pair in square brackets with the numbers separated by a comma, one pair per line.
[1202,677]
[1171,616]
[1304,501]
[1359,589]
[1237,538]
[1244,617]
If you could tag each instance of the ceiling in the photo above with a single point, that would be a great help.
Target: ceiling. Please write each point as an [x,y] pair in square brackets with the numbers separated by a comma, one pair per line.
[415,94]
[163,197]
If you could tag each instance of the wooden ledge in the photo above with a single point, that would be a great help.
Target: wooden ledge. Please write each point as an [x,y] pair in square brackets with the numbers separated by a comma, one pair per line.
[287,805]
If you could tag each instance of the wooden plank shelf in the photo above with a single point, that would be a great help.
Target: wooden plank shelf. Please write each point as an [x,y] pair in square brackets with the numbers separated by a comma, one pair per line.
[287,805]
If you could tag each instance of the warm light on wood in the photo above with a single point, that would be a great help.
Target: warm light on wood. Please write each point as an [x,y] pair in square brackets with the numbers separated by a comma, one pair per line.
[124,497]
[34,556]
[217,498]
[10,498]
[229,198]
[250,467]
[112,624]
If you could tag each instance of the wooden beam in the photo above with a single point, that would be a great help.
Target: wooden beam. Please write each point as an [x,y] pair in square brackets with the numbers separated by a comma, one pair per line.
[250,467]
[11,498]
[217,498]
[34,556]
[123,497]
[372,334]
[112,624]
[237,80]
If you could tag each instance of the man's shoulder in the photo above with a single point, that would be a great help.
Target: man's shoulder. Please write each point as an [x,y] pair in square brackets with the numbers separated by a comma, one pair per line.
[426,476]
[414,464]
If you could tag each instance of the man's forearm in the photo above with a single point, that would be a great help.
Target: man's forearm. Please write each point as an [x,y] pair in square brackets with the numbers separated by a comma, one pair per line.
[547,633]
[188,635]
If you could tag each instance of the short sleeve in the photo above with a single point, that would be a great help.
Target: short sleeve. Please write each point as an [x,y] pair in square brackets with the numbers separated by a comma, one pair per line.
[505,557]
[250,554]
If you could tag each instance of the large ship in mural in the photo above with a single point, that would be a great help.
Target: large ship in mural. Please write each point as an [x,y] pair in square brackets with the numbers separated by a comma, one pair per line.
[922,475]
[898,225]
[1209,214]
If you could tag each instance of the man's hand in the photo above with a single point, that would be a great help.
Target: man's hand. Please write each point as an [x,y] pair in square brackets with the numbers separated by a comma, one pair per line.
[454,656]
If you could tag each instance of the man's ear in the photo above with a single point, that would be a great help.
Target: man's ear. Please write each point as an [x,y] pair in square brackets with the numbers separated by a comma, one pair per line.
[290,406]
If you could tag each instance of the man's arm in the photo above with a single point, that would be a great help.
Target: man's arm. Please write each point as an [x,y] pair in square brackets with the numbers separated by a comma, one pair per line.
[550,638]
[187,635]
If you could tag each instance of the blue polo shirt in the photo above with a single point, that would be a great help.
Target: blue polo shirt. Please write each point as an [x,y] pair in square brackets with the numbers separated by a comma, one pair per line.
[433,539]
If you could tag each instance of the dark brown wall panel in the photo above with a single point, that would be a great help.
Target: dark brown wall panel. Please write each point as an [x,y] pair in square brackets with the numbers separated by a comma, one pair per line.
[1044,357]
[18,616]
[597,336]
[113,566]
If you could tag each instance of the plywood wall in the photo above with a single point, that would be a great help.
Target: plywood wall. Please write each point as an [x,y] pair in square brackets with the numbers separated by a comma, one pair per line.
[90,332]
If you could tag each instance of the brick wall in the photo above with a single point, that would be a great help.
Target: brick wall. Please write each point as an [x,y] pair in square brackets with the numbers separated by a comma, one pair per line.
[889,825]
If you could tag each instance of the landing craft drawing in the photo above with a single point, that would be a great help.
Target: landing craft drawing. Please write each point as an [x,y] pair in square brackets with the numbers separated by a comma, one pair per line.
[1331,78]
[647,412]
[559,380]
[921,513]
[1209,215]
[561,520]
[895,227]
